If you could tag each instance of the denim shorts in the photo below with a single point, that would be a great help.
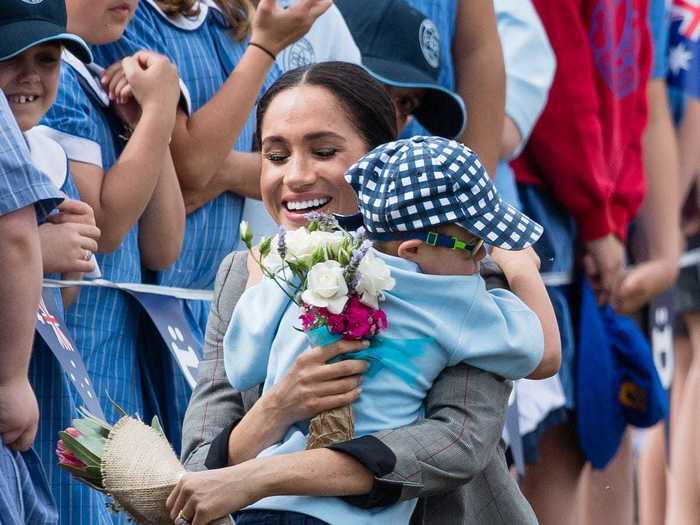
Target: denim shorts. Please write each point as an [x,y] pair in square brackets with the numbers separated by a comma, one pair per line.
[275,517]
[557,251]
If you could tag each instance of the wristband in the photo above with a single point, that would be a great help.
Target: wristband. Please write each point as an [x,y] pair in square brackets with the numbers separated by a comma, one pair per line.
[263,48]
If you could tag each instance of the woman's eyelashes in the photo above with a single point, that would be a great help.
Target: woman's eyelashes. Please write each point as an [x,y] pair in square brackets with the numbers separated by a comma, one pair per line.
[278,157]
[325,153]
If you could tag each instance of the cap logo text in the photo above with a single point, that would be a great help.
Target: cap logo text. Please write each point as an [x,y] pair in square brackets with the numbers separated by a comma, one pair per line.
[429,38]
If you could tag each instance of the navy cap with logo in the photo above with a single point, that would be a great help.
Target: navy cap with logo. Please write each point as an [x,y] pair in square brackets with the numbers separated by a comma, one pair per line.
[28,23]
[413,185]
[400,47]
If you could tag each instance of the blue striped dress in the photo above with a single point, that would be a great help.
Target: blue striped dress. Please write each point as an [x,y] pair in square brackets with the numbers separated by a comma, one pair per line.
[205,53]
[58,403]
[24,492]
[103,322]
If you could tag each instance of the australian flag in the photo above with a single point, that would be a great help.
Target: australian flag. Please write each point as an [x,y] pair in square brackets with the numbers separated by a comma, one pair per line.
[684,47]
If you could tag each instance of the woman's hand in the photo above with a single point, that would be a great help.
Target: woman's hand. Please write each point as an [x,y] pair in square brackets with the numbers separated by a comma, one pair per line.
[202,497]
[275,28]
[310,387]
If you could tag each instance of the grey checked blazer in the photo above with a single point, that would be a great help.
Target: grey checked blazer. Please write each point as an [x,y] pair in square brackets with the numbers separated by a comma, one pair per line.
[453,461]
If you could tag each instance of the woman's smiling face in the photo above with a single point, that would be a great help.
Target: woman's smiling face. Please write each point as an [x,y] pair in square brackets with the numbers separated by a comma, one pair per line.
[307,145]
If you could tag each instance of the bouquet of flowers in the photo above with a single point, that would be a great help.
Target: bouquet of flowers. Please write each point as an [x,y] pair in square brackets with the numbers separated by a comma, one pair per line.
[130,461]
[338,283]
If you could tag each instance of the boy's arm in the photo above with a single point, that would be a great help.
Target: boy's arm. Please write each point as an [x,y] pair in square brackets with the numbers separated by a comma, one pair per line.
[521,270]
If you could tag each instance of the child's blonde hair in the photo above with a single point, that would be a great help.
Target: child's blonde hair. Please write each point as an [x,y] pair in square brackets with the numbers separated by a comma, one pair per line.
[238,13]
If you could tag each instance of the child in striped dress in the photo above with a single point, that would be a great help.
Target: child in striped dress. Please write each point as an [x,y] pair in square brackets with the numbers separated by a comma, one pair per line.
[140,211]
[223,71]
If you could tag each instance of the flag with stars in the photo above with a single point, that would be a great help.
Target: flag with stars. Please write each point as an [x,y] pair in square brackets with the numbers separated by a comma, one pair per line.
[684,47]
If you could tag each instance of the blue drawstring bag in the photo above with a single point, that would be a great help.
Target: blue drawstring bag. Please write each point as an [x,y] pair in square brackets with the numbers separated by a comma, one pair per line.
[616,380]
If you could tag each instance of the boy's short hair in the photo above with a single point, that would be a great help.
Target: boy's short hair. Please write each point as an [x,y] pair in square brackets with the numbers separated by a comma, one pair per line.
[408,186]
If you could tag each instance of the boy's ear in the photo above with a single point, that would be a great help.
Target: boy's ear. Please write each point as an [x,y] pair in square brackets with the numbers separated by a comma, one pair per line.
[409,249]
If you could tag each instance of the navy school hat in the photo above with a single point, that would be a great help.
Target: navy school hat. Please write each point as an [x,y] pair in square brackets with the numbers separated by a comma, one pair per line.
[27,23]
[400,47]
[616,380]
[412,185]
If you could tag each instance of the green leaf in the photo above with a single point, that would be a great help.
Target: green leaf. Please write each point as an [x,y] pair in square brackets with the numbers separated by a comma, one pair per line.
[265,246]
[116,405]
[155,425]
[90,428]
[312,226]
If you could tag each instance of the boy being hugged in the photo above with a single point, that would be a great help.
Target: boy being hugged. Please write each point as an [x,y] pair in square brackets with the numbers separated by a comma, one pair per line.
[429,206]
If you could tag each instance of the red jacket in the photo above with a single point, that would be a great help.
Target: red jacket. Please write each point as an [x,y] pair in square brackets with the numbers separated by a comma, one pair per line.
[586,148]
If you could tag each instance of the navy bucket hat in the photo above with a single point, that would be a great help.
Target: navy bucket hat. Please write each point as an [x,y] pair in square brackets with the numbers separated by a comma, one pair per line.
[28,23]
[412,185]
[400,47]
[616,380]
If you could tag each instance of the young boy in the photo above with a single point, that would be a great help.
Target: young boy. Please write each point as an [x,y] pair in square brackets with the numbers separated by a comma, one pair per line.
[430,206]
[34,35]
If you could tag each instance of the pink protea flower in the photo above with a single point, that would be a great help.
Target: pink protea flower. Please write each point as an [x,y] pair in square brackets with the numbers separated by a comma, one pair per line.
[67,458]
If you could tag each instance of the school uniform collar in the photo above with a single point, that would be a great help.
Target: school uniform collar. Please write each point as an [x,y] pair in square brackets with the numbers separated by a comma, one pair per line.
[47,156]
[91,73]
[183,22]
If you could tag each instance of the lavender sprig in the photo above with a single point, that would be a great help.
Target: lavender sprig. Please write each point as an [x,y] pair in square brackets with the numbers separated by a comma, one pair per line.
[282,243]
[325,221]
[351,270]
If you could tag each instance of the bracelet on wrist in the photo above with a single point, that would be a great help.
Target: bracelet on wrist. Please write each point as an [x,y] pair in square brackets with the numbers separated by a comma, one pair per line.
[264,49]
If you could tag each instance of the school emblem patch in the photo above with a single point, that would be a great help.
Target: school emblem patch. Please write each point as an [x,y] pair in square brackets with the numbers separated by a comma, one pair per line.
[429,39]
[299,54]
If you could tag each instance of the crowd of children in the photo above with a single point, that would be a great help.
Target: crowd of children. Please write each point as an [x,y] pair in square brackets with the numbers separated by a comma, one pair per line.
[129,150]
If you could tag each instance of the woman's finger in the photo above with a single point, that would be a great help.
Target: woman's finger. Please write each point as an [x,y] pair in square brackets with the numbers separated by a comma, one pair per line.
[325,353]
[170,503]
[338,400]
[338,386]
[341,369]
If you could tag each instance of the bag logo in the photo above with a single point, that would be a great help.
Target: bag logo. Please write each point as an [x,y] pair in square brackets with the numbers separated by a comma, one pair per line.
[429,39]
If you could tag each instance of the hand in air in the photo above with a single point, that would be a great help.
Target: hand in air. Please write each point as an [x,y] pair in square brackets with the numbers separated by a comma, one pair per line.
[276,28]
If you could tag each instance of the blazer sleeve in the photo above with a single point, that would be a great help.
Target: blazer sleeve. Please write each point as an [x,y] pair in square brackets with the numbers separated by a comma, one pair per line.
[215,405]
[465,414]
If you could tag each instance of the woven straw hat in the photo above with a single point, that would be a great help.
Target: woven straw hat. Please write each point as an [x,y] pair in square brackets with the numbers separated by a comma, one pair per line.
[140,470]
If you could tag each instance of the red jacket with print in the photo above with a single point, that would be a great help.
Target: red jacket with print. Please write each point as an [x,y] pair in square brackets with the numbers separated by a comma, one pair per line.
[586,148]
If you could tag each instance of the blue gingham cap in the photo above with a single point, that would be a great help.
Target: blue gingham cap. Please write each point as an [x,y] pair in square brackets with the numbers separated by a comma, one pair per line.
[424,182]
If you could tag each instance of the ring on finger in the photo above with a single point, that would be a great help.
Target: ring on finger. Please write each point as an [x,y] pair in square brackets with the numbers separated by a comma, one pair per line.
[88,255]
[181,520]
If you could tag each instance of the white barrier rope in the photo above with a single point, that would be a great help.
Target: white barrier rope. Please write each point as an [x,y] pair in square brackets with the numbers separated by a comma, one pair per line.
[688,259]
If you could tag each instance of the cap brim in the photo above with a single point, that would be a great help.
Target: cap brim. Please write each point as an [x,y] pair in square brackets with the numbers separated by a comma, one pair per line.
[441,112]
[20,36]
[504,227]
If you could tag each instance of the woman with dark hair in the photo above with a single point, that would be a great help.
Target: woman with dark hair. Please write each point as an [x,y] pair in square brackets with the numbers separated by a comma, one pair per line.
[313,123]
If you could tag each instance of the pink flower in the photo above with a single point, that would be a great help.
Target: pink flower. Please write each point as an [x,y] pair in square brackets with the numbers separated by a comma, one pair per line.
[67,458]
[308,319]
[358,319]
[379,318]
[336,323]
[73,432]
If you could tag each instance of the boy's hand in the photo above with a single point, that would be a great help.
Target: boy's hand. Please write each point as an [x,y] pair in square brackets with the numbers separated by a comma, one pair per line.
[275,28]
[19,414]
[512,261]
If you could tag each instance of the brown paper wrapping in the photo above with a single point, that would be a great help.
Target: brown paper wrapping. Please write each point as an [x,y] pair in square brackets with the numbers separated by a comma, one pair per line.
[331,426]
[139,470]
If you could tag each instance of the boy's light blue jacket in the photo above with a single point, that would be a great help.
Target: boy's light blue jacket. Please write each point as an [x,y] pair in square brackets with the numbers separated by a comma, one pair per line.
[434,322]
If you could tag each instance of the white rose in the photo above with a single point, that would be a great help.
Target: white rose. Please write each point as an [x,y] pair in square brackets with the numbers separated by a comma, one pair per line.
[298,244]
[326,287]
[245,233]
[374,278]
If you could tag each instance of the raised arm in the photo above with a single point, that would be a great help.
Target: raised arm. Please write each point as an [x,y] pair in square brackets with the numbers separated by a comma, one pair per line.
[120,196]
[480,77]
